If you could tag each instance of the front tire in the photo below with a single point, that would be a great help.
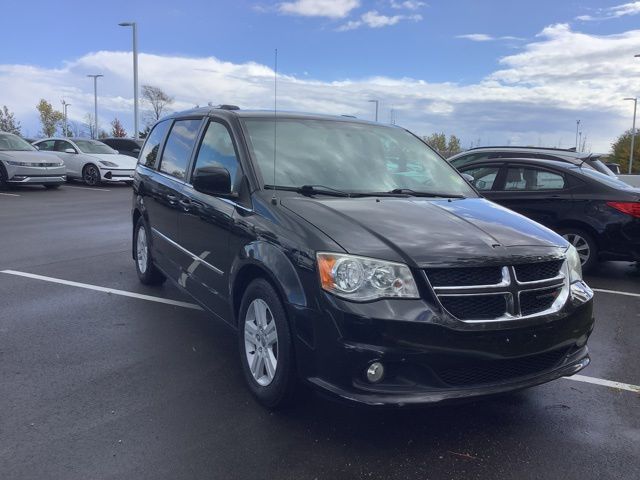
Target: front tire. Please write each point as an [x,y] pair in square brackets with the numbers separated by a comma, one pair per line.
[266,346]
[585,245]
[91,175]
[148,273]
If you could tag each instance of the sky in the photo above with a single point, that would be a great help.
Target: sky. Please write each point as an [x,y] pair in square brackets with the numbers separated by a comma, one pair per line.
[490,72]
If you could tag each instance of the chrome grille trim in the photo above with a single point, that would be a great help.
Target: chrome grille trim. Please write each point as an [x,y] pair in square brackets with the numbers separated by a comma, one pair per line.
[511,288]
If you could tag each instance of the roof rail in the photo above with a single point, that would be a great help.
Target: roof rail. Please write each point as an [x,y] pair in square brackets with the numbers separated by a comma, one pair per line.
[224,106]
[572,149]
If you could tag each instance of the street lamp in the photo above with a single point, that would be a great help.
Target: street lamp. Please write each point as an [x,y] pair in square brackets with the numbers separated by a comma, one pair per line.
[377,103]
[95,103]
[633,129]
[135,74]
[65,105]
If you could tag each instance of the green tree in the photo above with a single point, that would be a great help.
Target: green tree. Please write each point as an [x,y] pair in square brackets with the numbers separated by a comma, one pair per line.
[439,142]
[8,123]
[49,118]
[621,150]
[453,146]
[117,130]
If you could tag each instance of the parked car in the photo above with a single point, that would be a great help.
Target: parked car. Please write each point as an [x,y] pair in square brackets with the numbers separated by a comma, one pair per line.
[22,164]
[125,146]
[562,155]
[614,167]
[355,258]
[89,160]
[598,214]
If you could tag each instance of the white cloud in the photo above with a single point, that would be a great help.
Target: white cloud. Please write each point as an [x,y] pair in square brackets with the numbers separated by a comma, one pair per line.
[483,37]
[407,5]
[617,11]
[319,8]
[534,97]
[373,19]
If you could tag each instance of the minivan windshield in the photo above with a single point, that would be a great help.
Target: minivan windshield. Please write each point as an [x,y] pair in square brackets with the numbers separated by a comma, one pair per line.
[94,146]
[11,142]
[350,157]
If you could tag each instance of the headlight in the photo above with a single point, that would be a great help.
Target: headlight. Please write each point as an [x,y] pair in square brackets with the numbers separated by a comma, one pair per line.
[107,163]
[361,279]
[19,164]
[574,264]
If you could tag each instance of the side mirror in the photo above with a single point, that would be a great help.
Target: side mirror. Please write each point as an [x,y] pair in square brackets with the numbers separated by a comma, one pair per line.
[469,178]
[69,150]
[213,181]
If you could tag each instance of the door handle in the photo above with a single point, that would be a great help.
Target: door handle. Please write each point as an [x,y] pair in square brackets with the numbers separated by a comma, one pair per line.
[185,203]
[172,199]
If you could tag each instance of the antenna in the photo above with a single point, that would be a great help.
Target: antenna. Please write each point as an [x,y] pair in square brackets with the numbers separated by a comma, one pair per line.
[274,199]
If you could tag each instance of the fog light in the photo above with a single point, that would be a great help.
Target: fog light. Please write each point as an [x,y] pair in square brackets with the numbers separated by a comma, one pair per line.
[375,372]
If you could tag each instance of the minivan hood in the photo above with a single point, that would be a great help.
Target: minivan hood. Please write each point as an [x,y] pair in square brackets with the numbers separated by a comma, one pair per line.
[428,232]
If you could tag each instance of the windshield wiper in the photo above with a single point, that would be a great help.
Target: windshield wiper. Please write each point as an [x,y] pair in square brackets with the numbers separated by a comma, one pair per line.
[415,193]
[311,190]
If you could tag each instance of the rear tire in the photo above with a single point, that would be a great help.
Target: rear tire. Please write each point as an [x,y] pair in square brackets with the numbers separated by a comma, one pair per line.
[585,245]
[91,175]
[266,346]
[148,273]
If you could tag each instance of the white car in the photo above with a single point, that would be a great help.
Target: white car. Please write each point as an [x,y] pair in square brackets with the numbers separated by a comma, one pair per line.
[90,160]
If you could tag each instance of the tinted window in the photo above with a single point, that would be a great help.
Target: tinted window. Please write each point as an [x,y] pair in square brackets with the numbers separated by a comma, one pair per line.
[522,178]
[484,177]
[177,151]
[217,150]
[61,146]
[47,145]
[152,145]
[466,159]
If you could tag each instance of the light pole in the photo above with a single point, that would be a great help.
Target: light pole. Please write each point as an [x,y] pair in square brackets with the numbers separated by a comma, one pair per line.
[135,74]
[633,130]
[377,103]
[95,103]
[577,127]
[65,105]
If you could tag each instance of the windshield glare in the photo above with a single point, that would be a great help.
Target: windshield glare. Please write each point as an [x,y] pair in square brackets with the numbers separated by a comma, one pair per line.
[94,146]
[351,157]
[11,142]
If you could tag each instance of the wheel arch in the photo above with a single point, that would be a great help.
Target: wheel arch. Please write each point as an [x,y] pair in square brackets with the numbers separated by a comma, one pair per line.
[579,225]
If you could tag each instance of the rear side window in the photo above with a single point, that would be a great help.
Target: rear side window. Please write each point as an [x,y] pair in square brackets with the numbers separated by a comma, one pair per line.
[466,159]
[177,151]
[532,179]
[217,150]
[152,145]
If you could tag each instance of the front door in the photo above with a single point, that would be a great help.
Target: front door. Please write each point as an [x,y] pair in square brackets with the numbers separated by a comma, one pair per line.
[205,224]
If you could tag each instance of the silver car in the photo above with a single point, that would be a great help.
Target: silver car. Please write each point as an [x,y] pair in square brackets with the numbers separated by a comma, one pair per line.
[90,160]
[22,164]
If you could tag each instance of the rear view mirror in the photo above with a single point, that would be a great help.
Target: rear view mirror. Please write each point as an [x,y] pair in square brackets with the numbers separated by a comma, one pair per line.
[69,150]
[213,181]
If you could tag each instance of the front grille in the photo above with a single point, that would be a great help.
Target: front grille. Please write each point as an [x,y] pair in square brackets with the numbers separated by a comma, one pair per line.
[499,292]
[536,301]
[495,371]
[530,272]
[453,277]
[475,307]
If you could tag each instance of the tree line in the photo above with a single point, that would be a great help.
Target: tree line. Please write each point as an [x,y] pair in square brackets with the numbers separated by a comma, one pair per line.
[52,121]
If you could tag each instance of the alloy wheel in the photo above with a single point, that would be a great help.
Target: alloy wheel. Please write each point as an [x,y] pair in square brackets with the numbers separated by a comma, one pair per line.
[142,250]
[91,175]
[261,342]
[581,245]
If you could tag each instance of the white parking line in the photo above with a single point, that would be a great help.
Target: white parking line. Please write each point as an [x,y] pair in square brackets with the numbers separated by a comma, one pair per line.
[606,383]
[9,194]
[89,188]
[628,294]
[193,306]
[113,291]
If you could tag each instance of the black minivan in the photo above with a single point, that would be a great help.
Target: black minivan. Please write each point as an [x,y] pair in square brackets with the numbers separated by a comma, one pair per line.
[351,257]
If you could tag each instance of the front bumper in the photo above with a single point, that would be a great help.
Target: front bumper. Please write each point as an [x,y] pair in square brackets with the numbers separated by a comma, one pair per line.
[429,362]
[116,175]
[23,175]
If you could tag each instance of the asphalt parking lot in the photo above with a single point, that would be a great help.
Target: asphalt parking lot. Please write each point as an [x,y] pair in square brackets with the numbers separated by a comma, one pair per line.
[102,377]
